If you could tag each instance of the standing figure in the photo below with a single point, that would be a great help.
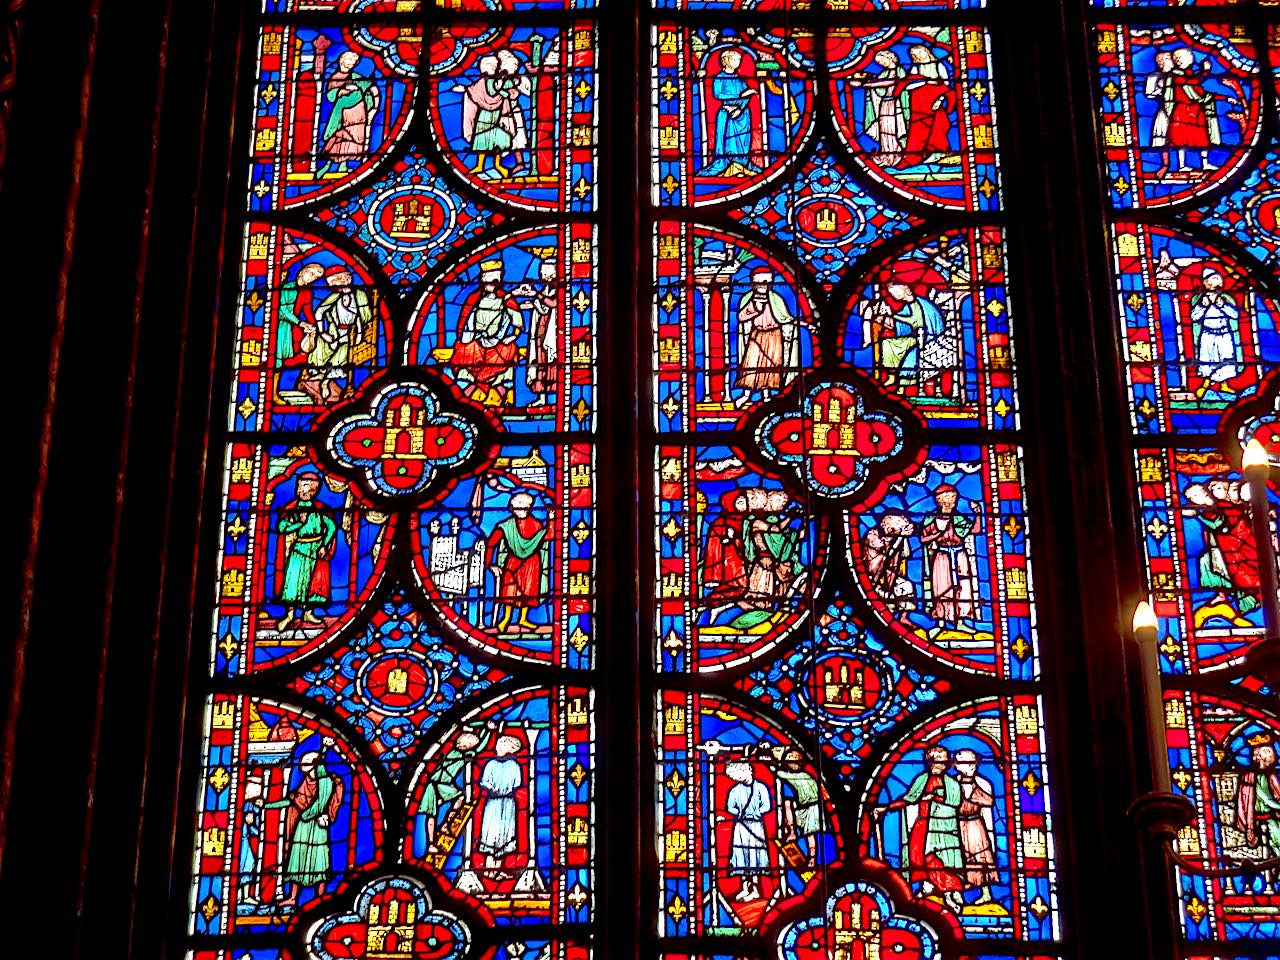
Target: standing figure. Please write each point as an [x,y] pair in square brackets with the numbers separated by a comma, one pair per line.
[487,349]
[347,133]
[514,87]
[945,535]
[500,780]
[748,802]
[1159,87]
[297,329]
[886,550]
[768,342]
[772,552]
[1257,813]
[930,101]
[249,867]
[488,116]
[802,811]
[517,545]
[307,532]
[1215,319]
[1193,118]
[342,320]
[543,372]
[977,825]
[445,785]
[310,812]
[933,857]
[886,109]
[736,141]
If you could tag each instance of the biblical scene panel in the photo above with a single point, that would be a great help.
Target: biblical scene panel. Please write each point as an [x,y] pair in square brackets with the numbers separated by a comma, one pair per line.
[745,828]
[914,107]
[960,810]
[1222,751]
[288,813]
[739,560]
[394,681]
[733,327]
[301,551]
[1180,107]
[1199,332]
[501,810]
[513,326]
[513,111]
[1202,557]
[508,556]
[329,103]
[731,107]
[932,325]
[313,326]
[943,560]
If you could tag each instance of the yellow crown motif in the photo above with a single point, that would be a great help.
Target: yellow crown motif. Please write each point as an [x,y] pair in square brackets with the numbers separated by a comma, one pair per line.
[488,265]
[1260,740]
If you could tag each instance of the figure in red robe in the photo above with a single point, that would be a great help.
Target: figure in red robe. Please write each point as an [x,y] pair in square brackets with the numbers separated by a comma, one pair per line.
[1193,115]
[516,546]
[724,567]
[930,102]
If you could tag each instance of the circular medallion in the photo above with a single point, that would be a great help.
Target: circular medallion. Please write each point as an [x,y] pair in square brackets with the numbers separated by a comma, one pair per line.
[844,687]
[828,221]
[397,682]
[412,217]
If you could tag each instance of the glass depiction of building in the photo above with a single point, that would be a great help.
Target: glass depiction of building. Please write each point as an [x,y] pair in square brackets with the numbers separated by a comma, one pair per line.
[678,480]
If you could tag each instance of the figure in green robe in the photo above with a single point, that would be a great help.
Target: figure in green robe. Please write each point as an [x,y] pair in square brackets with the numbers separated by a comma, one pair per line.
[311,810]
[347,132]
[932,855]
[802,812]
[296,331]
[445,785]
[1258,799]
[308,533]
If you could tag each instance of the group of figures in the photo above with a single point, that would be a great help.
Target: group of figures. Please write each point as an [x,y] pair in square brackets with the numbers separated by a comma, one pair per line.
[947,826]
[946,539]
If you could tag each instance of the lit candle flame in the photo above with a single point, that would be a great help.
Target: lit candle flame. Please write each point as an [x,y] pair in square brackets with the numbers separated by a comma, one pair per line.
[1255,455]
[1144,618]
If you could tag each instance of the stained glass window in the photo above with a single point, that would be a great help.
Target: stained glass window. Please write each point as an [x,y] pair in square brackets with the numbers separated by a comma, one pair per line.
[426,549]
[1188,151]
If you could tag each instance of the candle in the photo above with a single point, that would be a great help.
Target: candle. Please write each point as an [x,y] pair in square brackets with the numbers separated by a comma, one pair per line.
[1257,469]
[1146,633]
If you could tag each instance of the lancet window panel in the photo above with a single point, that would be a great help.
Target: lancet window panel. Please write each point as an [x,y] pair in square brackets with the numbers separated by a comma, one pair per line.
[1187,122]
[407,552]
[840,525]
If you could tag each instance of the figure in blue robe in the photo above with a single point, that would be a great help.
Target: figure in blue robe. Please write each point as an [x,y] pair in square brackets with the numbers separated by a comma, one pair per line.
[731,146]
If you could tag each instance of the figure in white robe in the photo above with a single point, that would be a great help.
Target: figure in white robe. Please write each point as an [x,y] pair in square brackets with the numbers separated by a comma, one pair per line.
[748,803]
[1215,317]
[500,779]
